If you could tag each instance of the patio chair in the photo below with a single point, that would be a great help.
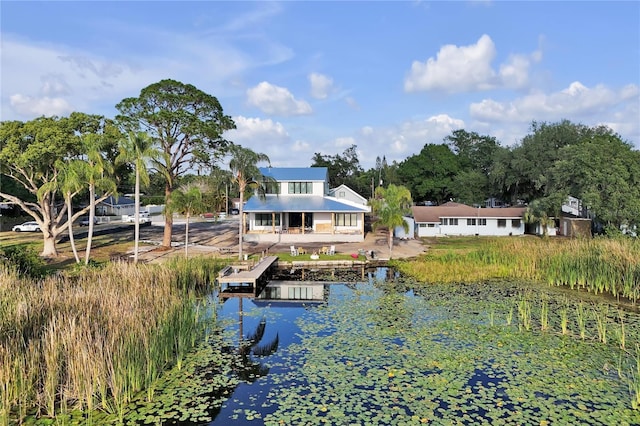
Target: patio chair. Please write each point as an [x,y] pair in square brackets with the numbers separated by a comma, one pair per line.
[294,251]
[332,250]
[324,250]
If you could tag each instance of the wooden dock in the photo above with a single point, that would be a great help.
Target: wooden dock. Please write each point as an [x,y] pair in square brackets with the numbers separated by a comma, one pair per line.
[237,282]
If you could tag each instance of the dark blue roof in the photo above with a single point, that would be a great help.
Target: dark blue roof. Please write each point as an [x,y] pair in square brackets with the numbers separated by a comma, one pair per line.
[301,203]
[298,174]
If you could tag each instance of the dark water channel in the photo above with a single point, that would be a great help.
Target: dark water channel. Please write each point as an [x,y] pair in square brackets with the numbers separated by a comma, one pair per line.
[278,307]
[368,351]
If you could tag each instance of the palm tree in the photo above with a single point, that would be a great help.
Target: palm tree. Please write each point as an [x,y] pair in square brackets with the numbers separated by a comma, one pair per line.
[137,149]
[537,213]
[98,171]
[71,183]
[188,201]
[243,165]
[390,205]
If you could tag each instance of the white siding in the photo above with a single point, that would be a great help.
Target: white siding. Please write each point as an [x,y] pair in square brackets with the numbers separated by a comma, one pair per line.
[463,228]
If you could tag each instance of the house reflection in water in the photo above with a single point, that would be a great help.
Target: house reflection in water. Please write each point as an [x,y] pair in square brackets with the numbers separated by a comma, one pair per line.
[294,291]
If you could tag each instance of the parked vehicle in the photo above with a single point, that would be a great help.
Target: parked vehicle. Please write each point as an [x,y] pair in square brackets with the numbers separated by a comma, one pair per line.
[131,218]
[235,211]
[84,221]
[27,227]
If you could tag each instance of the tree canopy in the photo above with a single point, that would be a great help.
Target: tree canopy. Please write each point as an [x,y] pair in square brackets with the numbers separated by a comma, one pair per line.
[429,175]
[187,124]
[31,154]
[343,168]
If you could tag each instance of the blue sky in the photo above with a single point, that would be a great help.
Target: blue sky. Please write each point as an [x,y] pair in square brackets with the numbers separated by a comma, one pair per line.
[306,77]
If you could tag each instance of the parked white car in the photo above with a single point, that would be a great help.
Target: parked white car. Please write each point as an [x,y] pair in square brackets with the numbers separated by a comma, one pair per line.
[27,227]
[84,221]
[131,218]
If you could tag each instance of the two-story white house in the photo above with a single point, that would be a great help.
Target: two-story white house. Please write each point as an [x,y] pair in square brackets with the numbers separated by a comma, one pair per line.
[297,207]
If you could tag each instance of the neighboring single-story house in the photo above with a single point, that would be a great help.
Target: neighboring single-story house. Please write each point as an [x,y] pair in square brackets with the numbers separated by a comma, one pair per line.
[459,219]
[297,207]
[115,206]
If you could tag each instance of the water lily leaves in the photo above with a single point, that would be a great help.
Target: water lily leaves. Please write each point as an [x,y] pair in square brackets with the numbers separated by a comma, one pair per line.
[396,359]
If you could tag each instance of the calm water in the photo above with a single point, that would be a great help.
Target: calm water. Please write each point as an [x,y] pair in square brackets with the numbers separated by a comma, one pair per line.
[373,353]
[280,321]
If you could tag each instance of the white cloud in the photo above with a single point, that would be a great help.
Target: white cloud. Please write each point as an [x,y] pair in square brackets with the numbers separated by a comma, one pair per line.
[344,142]
[55,84]
[28,106]
[576,102]
[321,85]
[256,129]
[468,68]
[95,81]
[398,142]
[272,99]
[352,103]
[271,138]
[35,75]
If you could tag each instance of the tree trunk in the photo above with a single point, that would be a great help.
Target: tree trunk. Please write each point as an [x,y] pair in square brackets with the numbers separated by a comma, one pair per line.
[390,241]
[72,240]
[186,238]
[241,226]
[92,214]
[168,219]
[136,226]
[49,249]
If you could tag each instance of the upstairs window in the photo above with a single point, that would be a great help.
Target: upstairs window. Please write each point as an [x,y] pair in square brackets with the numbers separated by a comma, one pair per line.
[271,187]
[300,188]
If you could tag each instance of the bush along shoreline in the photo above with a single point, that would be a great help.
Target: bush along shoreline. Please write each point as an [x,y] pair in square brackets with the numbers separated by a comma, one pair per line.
[92,342]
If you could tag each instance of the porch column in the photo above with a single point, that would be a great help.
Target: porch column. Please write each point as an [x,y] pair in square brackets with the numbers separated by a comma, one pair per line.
[303,222]
[362,223]
[333,223]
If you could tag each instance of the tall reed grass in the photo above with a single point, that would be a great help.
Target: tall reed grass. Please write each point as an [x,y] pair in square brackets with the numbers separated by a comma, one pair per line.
[598,265]
[95,340]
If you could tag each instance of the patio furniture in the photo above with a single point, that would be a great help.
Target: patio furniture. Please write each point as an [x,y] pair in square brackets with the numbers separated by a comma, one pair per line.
[294,251]
[332,250]
[324,250]
[301,250]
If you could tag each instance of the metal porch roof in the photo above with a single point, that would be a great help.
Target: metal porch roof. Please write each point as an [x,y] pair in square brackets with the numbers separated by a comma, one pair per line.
[307,174]
[284,204]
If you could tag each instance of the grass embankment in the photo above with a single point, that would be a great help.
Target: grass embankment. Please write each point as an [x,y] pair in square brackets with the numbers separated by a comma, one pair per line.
[93,340]
[597,265]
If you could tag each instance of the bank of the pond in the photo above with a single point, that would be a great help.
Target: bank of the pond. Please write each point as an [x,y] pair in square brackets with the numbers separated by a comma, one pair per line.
[597,265]
[88,343]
